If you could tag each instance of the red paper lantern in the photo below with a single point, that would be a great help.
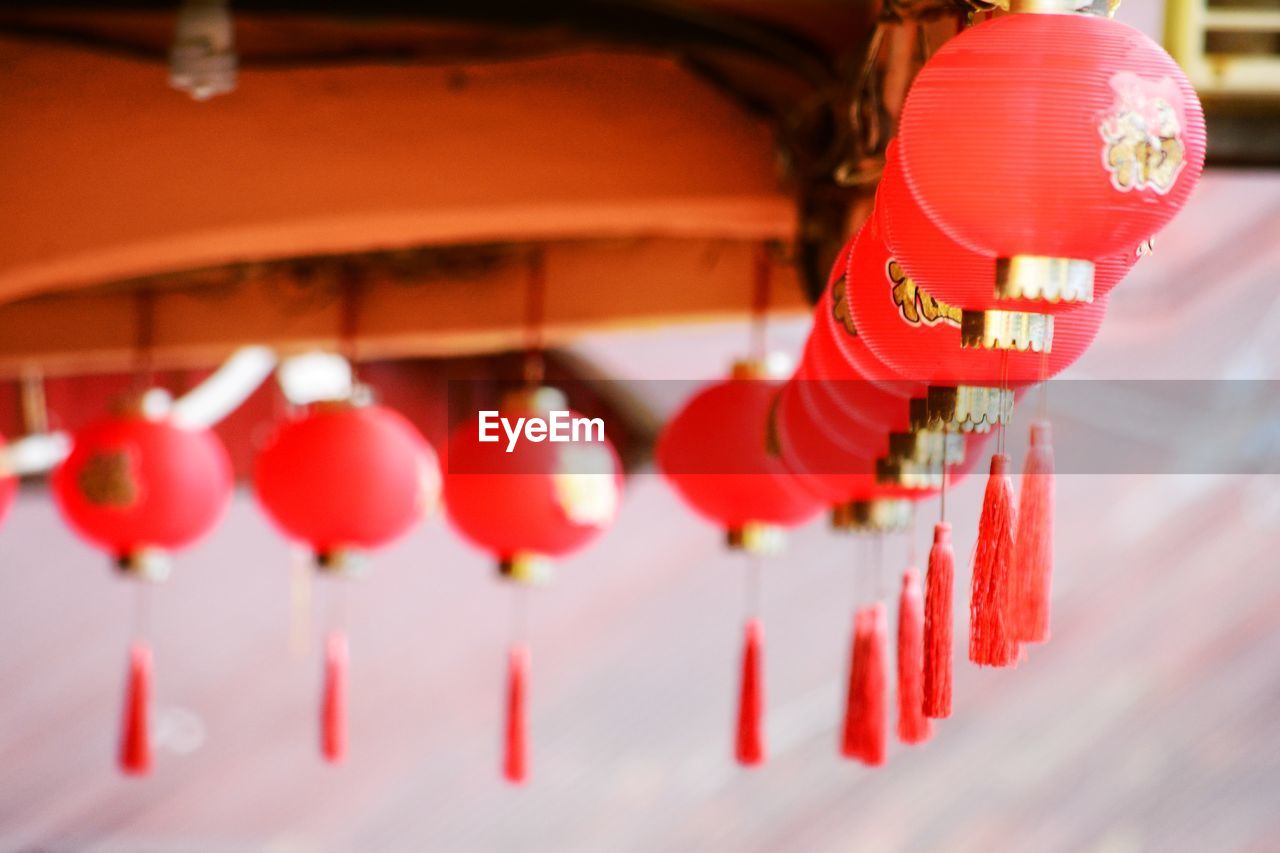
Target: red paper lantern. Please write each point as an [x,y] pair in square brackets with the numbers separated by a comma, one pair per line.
[716,454]
[137,486]
[344,478]
[917,337]
[1049,141]
[953,273]
[8,487]
[541,500]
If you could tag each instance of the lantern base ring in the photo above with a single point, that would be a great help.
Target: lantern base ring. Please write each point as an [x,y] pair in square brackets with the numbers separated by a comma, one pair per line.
[907,474]
[1044,279]
[342,562]
[881,515]
[755,537]
[962,408]
[525,567]
[927,446]
[1006,330]
[149,564]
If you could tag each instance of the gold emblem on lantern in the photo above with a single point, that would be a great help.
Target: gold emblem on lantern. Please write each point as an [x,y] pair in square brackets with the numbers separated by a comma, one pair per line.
[107,479]
[1143,135]
[916,307]
[840,306]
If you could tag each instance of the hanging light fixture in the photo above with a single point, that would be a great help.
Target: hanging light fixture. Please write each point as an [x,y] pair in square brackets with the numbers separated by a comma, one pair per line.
[1086,137]
[138,485]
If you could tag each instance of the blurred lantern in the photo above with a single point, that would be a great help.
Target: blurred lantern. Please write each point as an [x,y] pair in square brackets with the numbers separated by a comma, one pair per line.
[8,484]
[525,506]
[138,485]
[719,456]
[958,276]
[1095,140]
[345,477]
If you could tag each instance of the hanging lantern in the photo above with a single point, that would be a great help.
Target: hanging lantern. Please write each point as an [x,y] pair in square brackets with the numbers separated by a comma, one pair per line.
[720,457]
[345,477]
[1088,139]
[918,338]
[138,486]
[539,501]
[716,453]
[957,276]
[8,484]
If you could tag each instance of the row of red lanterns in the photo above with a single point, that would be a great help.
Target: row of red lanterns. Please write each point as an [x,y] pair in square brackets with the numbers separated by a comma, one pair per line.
[1038,154]
[343,477]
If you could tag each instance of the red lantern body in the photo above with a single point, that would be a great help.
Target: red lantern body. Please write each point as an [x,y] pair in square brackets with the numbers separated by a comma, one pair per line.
[918,338]
[342,477]
[715,453]
[542,499]
[133,484]
[8,488]
[1086,137]
[952,273]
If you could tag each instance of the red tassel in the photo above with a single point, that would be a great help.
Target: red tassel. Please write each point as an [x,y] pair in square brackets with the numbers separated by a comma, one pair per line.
[913,725]
[750,746]
[1033,544]
[515,766]
[865,713]
[333,720]
[937,625]
[991,641]
[135,735]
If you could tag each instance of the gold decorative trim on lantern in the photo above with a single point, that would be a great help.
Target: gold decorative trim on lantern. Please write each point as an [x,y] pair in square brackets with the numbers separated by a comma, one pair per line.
[968,409]
[927,447]
[1016,330]
[343,562]
[907,474]
[881,515]
[525,567]
[755,537]
[1046,279]
[148,564]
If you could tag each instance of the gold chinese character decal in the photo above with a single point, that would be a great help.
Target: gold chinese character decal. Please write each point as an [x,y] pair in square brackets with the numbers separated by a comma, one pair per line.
[1143,134]
[107,479]
[840,306]
[916,307]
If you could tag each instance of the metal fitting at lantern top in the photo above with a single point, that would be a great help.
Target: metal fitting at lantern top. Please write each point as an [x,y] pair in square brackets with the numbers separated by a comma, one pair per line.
[907,474]
[881,515]
[342,562]
[1016,330]
[927,447]
[1046,279]
[148,564]
[525,568]
[755,538]
[969,408]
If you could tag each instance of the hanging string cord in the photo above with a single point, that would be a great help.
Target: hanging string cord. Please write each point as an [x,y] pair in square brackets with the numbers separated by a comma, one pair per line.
[914,528]
[519,614]
[1004,387]
[1043,402]
[942,490]
[141,628]
[534,318]
[144,357]
[760,295]
[877,566]
[349,321]
[754,582]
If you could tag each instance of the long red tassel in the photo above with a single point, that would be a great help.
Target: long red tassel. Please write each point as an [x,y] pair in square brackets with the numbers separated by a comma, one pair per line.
[750,750]
[1033,544]
[515,759]
[937,624]
[991,641]
[135,735]
[333,710]
[865,712]
[913,725]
